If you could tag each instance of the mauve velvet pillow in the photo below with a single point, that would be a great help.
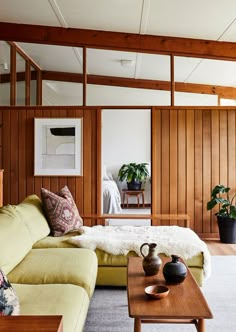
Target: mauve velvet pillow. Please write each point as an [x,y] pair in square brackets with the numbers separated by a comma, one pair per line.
[61,211]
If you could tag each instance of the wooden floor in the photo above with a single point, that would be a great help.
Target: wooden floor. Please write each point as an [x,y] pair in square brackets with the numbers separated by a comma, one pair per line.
[217,248]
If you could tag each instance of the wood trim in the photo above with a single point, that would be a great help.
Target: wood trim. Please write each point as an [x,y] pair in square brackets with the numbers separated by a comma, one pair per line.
[24,55]
[99,160]
[13,76]
[117,41]
[20,76]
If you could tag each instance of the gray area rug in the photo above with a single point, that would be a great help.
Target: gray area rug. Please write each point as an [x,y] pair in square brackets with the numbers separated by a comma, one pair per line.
[109,311]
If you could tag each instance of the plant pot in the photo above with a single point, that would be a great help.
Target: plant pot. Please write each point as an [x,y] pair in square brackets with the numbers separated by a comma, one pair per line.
[227,229]
[134,185]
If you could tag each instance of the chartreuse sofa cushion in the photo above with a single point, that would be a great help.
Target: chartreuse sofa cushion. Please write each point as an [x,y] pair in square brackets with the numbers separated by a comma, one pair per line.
[68,300]
[31,213]
[15,241]
[112,268]
[57,266]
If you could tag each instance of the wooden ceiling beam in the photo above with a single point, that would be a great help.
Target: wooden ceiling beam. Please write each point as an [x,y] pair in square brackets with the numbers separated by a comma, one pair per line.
[222,91]
[117,41]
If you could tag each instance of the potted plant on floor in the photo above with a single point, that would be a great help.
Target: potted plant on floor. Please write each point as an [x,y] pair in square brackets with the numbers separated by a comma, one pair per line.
[226,216]
[134,174]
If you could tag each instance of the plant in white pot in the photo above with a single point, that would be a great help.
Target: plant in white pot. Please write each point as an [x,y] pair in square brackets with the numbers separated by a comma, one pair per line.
[134,174]
[226,216]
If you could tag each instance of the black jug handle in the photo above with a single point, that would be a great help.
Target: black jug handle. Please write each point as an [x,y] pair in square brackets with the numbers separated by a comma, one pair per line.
[141,248]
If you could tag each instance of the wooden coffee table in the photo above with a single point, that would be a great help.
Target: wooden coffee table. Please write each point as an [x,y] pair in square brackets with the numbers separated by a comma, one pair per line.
[185,303]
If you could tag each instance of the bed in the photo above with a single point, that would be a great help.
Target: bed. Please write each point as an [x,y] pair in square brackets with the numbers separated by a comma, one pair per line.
[111,197]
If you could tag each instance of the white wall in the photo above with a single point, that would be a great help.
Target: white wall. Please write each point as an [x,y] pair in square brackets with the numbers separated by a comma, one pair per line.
[126,136]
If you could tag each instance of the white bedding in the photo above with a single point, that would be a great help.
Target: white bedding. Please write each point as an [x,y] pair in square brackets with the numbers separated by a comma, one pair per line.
[111,197]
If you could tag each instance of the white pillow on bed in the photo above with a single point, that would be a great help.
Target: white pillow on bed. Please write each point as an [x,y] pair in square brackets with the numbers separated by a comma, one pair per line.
[105,174]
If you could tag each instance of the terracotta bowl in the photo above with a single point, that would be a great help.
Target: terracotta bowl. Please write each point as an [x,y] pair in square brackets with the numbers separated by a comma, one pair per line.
[157,291]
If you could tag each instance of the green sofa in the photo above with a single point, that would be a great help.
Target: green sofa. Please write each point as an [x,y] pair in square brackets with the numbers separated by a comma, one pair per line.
[111,268]
[48,281]
[50,275]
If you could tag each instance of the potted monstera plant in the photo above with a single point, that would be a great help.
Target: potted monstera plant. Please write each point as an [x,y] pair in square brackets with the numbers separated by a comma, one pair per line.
[134,174]
[226,216]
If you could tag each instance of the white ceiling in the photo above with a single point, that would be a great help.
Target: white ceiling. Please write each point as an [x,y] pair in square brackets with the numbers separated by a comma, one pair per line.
[204,19]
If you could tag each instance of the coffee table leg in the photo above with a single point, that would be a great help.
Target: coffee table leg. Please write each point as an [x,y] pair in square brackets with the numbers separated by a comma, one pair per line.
[201,325]
[137,325]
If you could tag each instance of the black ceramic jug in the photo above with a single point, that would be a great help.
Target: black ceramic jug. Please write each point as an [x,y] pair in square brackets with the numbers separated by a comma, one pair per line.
[151,262]
[175,271]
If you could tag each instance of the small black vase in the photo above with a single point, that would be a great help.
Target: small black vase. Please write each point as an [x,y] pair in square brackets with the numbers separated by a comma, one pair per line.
[175,271]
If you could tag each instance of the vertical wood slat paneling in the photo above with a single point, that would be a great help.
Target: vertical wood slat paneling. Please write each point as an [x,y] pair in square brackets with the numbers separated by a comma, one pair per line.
[215,158]
[156,163]
[87,164]
[231,150]
[173,164]
[95,158]
[198,172]
[165,164]
[190,165]
[223,148]
[181,164]
[6,160]
[14,158]
[18,142]
[29,152]
[22,155]
[192,151]
[206,124]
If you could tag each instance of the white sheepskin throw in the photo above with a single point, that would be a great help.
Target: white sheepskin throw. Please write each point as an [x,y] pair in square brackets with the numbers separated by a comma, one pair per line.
[119,240]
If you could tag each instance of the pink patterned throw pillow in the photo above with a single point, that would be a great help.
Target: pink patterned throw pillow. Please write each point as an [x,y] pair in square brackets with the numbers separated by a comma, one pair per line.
[61,211]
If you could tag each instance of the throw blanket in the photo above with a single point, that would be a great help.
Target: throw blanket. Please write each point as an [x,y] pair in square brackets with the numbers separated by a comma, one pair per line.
[119,240]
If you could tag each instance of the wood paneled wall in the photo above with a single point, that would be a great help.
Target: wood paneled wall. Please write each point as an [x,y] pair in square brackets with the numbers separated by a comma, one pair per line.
[195,150]
[192,151]
[17,156]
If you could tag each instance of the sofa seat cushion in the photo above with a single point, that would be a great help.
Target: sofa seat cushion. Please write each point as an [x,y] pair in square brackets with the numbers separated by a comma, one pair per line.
[55,242]
[68,300]
[104,258]
[31,213]
[15,241]
[57,266]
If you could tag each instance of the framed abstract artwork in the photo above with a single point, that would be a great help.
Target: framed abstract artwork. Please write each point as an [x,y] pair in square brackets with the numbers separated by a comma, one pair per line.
[58,146]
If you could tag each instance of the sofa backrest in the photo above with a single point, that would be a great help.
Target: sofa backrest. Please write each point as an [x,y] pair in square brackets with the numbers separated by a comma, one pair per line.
[31,213]
[15,240]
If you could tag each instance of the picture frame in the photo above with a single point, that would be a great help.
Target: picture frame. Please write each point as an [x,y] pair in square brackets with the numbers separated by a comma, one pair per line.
[58,146]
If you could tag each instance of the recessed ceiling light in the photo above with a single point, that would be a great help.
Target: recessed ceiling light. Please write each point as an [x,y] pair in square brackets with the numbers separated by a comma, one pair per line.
[127,63]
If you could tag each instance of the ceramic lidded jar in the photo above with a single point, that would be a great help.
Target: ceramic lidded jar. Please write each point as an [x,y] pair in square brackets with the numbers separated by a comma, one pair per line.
[175,271]
[151,262]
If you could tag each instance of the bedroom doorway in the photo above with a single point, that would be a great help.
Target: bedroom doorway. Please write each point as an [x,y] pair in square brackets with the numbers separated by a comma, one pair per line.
[126,138]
